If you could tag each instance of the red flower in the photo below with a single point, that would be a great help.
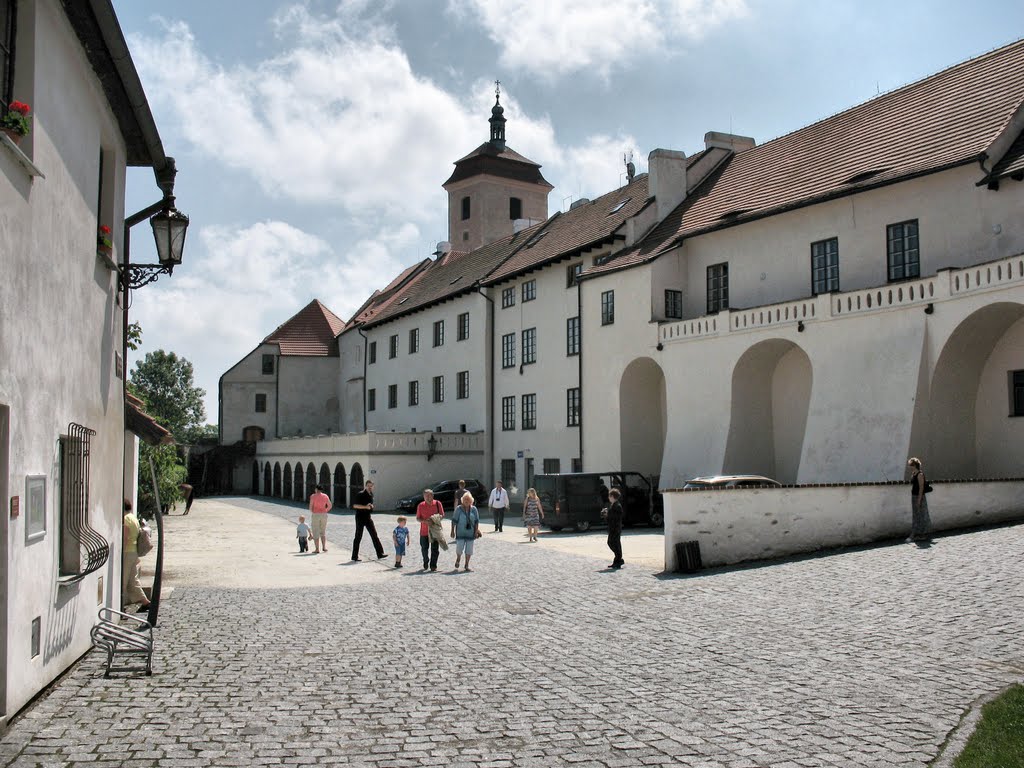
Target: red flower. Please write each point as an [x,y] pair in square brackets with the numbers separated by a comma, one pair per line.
[104,230]
[20,106]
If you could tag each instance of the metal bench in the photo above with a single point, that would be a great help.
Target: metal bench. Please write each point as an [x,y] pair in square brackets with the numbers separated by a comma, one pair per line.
[120,633]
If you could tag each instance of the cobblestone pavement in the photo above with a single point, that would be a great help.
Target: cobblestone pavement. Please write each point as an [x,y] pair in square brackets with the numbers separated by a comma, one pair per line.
[540,658]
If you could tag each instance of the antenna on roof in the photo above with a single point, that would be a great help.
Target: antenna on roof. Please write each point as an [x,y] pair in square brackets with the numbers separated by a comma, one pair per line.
[627,158]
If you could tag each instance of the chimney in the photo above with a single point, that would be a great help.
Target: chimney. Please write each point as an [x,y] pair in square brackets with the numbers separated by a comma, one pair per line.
[444,247]
[666,179]
[728,141]
[577,203]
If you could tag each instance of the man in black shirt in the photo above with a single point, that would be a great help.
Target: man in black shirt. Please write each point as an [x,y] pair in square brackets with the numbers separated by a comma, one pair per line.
[363,505]
[615,527]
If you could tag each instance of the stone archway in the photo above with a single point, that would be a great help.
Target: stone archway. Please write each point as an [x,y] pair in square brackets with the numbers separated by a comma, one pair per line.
[256,478]
[771,394]
[267,480]
[299,477]
[355,482]
[340,497]
[642,417]
[325,480]
[286,479]
[277,480]
[969,431]
[311,481]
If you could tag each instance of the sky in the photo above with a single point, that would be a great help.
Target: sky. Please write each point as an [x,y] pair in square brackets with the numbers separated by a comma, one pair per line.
[312,138]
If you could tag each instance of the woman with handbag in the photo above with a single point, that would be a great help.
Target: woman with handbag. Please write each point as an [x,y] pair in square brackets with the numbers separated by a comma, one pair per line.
[921,524]
[465,528]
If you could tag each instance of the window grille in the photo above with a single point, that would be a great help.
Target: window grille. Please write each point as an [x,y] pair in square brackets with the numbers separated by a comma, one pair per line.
[82,549]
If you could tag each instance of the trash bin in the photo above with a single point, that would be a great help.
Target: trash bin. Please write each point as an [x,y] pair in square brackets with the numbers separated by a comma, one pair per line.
[688,557]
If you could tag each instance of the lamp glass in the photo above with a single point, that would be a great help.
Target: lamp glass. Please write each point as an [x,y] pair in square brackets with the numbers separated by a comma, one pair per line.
[169,229]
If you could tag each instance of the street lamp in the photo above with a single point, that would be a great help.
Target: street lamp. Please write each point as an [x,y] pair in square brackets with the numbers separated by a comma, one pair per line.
[431,447]
[169,227]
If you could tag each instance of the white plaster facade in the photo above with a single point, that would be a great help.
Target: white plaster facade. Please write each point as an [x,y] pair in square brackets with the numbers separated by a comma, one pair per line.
[840,387]
[61,358]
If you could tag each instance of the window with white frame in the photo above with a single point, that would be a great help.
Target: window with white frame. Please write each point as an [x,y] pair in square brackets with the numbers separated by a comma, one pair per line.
[462,330]
[825,266]
[508,413]
[392,395]
[508,297]
[718,287]
[529,346]
[572,336]
[414,393]
[462,385]
[414,341]
[903,250]
[572,406]
[393,347]
[508,473]
[508,350]
[673,304]
[530,411]
[439,333]
[607,307]
[439,389]
[529,290]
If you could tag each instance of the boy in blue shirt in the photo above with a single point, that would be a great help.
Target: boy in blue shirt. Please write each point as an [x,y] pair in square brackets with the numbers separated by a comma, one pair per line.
[400,536]
[302,534]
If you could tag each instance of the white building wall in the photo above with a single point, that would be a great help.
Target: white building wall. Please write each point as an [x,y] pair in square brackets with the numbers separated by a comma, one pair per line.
[770,259]
[1000,443]
[446,360]
[553,373]
[308,400]
[238,390]
[48,232]
[352,348]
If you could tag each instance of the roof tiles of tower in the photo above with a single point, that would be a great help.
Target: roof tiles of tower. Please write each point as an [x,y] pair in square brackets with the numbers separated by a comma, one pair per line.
[942,121]
[311,331]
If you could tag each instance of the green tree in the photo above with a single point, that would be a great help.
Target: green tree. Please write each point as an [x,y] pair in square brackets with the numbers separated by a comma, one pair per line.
[165,384]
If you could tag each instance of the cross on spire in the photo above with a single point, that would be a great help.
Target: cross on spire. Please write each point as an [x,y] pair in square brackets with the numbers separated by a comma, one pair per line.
[497,89]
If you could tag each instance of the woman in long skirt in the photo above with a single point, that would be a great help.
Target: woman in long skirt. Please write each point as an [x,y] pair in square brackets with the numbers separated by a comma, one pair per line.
[921,524]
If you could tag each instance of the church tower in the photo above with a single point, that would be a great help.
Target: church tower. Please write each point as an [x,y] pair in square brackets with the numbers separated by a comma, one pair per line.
[491,188]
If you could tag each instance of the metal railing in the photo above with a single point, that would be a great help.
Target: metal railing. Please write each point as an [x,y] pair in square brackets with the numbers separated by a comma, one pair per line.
[82,549]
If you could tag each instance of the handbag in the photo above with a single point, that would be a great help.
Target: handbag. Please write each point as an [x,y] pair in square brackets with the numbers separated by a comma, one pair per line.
[927,487]
[144,541]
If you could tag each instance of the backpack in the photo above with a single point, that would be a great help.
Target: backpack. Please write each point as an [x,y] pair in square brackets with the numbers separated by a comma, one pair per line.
[144,542]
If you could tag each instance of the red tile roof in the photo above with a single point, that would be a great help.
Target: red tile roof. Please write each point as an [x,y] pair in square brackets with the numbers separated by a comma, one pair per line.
[312,331]
[940,122]
[503,162]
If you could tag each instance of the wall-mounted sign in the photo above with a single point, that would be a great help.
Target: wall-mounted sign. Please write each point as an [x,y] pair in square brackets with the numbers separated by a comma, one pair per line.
[15,506]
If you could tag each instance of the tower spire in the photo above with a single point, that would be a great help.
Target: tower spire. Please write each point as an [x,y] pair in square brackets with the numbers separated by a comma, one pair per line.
[497,120]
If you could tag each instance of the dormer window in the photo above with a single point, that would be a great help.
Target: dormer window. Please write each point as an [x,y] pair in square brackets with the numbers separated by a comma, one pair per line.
[515,208]
[465,208]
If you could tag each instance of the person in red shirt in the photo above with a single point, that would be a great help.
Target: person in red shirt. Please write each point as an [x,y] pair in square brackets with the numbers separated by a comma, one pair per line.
[424,511]
[319,506]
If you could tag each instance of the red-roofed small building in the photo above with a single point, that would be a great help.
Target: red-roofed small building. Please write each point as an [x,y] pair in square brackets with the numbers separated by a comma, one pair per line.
[288,385]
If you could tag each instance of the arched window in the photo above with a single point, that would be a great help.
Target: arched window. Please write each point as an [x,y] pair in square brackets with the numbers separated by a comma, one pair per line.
[340,496]
[325,478]
[311,481]
[355,482]
[465,208]
[515,208]
[286,479]
[299,496]
[277,480]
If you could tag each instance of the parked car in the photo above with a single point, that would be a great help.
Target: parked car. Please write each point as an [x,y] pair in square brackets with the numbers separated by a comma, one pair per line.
[444,491]
[576,500]
[733,481]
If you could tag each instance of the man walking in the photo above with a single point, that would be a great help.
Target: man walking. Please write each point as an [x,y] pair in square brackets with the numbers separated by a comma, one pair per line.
[498,502]
[363,505]
[319,506]
[424,511]
[615,528]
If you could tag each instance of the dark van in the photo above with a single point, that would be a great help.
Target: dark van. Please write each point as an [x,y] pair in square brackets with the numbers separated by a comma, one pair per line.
[576,500]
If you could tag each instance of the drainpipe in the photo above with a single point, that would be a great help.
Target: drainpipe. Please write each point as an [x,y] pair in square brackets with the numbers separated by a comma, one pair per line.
[579,362]
[365,350]
[277,397]
[489,423]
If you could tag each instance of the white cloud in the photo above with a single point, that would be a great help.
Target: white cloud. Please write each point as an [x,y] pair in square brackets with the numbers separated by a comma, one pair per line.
[560,37]
[239,284]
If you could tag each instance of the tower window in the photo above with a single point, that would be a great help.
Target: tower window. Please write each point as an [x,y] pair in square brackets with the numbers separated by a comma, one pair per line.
[465,208]
[515,208]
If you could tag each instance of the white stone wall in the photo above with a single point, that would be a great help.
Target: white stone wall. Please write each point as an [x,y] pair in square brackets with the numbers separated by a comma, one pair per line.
[238,389]
[549,377]
[447,360]
[737,525]
[59,353]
